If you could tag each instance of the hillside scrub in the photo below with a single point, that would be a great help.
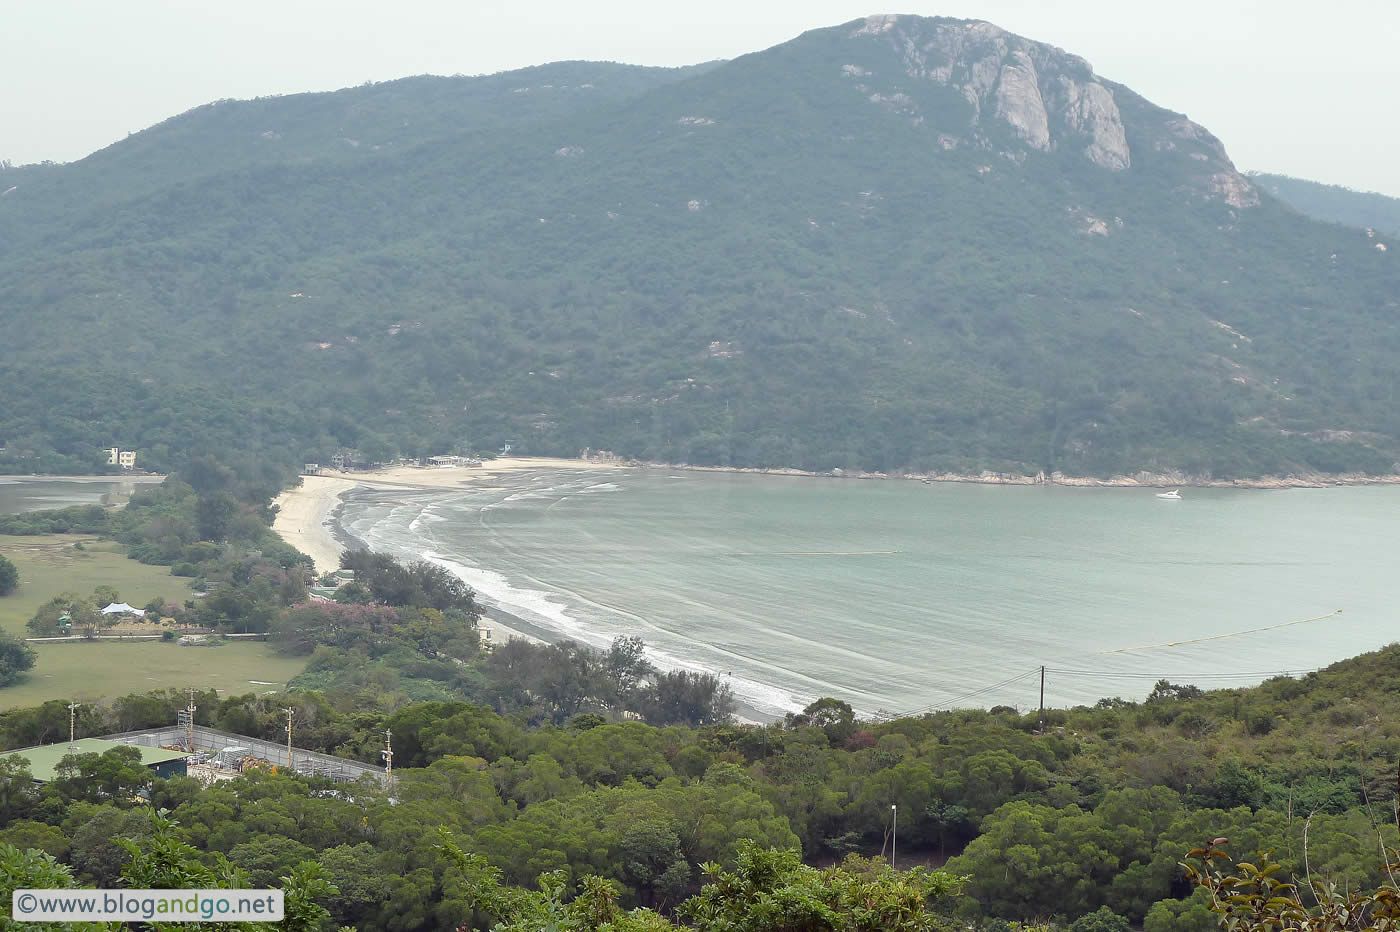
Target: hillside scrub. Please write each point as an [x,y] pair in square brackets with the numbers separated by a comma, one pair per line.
[817,256]
[1088,818]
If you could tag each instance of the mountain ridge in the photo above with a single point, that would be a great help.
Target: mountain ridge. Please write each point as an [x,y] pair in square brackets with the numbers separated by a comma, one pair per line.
[1331,203]
[825,254]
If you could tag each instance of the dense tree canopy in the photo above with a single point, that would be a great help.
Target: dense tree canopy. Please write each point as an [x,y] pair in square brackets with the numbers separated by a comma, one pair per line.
[1086,820]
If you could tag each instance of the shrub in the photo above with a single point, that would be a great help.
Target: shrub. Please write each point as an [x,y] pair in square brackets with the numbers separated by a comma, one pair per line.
[9,576]
[15,657]
[1104,920]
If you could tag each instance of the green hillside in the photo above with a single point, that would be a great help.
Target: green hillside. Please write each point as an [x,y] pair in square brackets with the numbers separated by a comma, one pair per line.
[1334,203]
[896,243]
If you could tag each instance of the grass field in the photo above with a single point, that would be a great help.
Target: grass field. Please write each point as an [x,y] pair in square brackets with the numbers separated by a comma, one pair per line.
[87,671]
[49,565]
[106,669]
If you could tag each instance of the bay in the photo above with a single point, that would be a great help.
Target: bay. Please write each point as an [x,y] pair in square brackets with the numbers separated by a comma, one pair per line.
[901,596]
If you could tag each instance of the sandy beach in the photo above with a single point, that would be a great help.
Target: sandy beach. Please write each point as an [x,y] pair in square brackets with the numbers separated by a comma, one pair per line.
[302,512]
[301,516]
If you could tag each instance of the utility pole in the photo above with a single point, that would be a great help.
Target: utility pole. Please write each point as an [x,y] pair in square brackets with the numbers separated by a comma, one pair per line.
[290,712]
[388,761]
[1042,697]
[72,726]
[894,831]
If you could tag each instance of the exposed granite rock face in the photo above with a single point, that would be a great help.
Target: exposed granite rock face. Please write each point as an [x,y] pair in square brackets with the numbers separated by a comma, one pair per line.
[1233,189]
[1019,102]
[1049,99]
[1091,110]
[1182,128]
[1225,183]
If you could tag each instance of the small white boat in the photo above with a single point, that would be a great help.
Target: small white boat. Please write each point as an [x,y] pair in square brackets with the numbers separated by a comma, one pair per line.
[1173,495]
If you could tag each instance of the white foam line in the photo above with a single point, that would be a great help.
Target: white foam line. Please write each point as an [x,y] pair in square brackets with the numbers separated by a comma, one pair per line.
[543,608]
[605,610]
[551,609]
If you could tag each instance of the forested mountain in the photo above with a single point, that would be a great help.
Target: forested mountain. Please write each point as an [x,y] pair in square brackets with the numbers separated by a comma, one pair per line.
[896,243]
[1334,203]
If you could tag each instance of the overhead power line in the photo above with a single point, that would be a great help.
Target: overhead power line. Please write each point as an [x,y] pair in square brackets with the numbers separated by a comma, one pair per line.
[1216,637]
[1177,677]
[1093,674]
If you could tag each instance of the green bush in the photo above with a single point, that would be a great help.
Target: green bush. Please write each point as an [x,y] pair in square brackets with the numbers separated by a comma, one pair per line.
[9,576]
[15,657]
[1101,920]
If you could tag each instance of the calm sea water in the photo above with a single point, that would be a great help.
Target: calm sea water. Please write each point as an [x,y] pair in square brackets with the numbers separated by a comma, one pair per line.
[23,494]
[900,596]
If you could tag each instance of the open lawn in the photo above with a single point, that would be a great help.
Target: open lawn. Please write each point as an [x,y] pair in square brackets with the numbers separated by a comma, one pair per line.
[88,671]
[48,565]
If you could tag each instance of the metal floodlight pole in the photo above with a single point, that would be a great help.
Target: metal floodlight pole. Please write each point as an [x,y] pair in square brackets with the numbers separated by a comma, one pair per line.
[290,713]
[189,725]
[72,726]
[894,830]
[388,760]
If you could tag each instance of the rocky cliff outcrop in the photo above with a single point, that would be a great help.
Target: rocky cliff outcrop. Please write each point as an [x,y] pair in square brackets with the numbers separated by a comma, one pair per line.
[1050,100]
[1019,103]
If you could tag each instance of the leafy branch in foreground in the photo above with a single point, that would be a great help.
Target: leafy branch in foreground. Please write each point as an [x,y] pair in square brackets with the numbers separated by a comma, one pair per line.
[1252,897]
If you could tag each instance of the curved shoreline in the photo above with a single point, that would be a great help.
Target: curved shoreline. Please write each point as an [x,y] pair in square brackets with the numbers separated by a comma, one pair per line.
[306,518]
[303,511]
[305,514]
[1141,480]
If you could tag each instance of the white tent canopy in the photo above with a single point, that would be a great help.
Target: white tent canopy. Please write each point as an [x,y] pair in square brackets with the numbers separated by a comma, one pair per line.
[121,608]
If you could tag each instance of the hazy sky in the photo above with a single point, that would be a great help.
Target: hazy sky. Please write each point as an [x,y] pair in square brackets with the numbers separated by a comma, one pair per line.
[1305,88]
